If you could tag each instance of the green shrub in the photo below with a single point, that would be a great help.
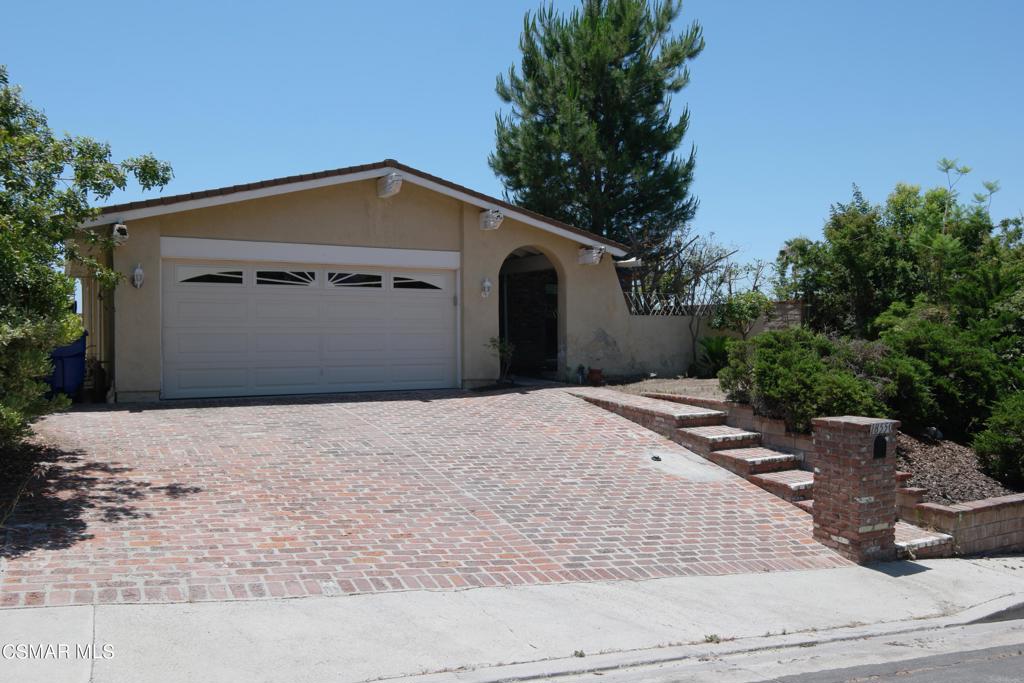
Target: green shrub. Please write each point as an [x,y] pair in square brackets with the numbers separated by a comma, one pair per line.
[737,377]
[797,375]
[965,376]
[926,372]
[714,355]
[906,386]
[1000,447]
[25,347]
[903,384]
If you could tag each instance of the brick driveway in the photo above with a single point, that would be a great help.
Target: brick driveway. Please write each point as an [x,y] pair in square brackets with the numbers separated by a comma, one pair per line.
[298,497]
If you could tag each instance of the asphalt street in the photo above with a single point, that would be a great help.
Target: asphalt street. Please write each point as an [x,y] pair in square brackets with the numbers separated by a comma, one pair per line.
[992,665]
[971,653]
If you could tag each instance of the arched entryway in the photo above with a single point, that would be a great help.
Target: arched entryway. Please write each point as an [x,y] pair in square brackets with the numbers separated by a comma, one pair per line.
[530,313]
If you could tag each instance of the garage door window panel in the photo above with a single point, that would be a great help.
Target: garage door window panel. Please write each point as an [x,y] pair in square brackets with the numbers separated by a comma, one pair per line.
[286,278]
[422,282]
[199,275]
[350,280]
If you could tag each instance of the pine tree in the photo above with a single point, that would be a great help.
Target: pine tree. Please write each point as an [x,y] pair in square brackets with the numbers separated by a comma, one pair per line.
[590,138]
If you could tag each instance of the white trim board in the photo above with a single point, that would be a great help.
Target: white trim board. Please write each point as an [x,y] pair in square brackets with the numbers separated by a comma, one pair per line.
[413,178]
[291,252]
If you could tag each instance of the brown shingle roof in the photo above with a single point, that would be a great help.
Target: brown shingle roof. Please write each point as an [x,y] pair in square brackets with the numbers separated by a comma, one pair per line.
[348,170]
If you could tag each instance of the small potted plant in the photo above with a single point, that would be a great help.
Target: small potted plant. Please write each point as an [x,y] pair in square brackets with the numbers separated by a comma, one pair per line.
[503,349]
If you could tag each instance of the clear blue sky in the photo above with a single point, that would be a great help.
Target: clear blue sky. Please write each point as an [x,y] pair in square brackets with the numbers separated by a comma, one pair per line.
[791,102]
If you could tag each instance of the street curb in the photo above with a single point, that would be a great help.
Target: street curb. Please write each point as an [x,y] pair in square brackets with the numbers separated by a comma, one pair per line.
[1009,613]
[999,609]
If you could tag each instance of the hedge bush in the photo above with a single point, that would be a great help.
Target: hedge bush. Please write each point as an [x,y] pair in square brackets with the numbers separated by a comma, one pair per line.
[797,375]
[1000,447]
[24,366]
[962,371]
[925,372]
[904,385]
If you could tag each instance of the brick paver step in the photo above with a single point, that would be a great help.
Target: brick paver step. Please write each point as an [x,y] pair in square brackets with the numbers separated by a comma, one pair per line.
[754,460]
[912,490]
[704,440]
[903,477]
[660,416]
[915,543]
[792,485]
[909,496]
[806,505]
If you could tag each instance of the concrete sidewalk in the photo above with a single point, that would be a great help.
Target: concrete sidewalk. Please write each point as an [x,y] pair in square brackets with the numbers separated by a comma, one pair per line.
[366,637]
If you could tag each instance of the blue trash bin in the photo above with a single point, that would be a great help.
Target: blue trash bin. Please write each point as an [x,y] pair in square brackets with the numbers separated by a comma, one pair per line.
[68,368]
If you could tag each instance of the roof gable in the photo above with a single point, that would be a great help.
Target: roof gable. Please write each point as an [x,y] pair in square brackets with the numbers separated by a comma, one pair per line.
[307,181]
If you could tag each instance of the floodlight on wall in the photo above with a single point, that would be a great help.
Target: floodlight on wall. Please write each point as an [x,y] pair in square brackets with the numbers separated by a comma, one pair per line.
[389,185]
[490,219]
[138,276]
[119,233]
[629,263]
[485,287]
[590,256]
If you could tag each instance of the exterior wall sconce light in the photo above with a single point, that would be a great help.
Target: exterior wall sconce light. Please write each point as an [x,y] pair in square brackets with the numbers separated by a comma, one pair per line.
[485,288]
[491,219]
[389,185]
[590,256]
[138,276]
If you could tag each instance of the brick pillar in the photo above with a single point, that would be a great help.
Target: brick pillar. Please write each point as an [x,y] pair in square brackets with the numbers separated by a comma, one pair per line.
[855,486]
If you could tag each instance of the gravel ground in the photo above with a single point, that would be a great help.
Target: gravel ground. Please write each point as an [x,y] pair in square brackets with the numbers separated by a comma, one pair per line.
[703,388]
[948,470]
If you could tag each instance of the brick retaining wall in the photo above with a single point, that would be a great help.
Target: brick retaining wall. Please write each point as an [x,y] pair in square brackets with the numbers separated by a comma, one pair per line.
[989,525]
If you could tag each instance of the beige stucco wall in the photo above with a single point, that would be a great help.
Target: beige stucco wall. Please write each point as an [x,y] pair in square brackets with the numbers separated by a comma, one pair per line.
[350,214]
[596,328]
[137,316]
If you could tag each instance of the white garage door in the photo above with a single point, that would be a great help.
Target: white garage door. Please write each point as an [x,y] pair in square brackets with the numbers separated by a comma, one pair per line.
[253,329]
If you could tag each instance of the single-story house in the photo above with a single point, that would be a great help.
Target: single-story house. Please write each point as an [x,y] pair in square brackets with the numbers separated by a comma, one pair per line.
[364,278]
